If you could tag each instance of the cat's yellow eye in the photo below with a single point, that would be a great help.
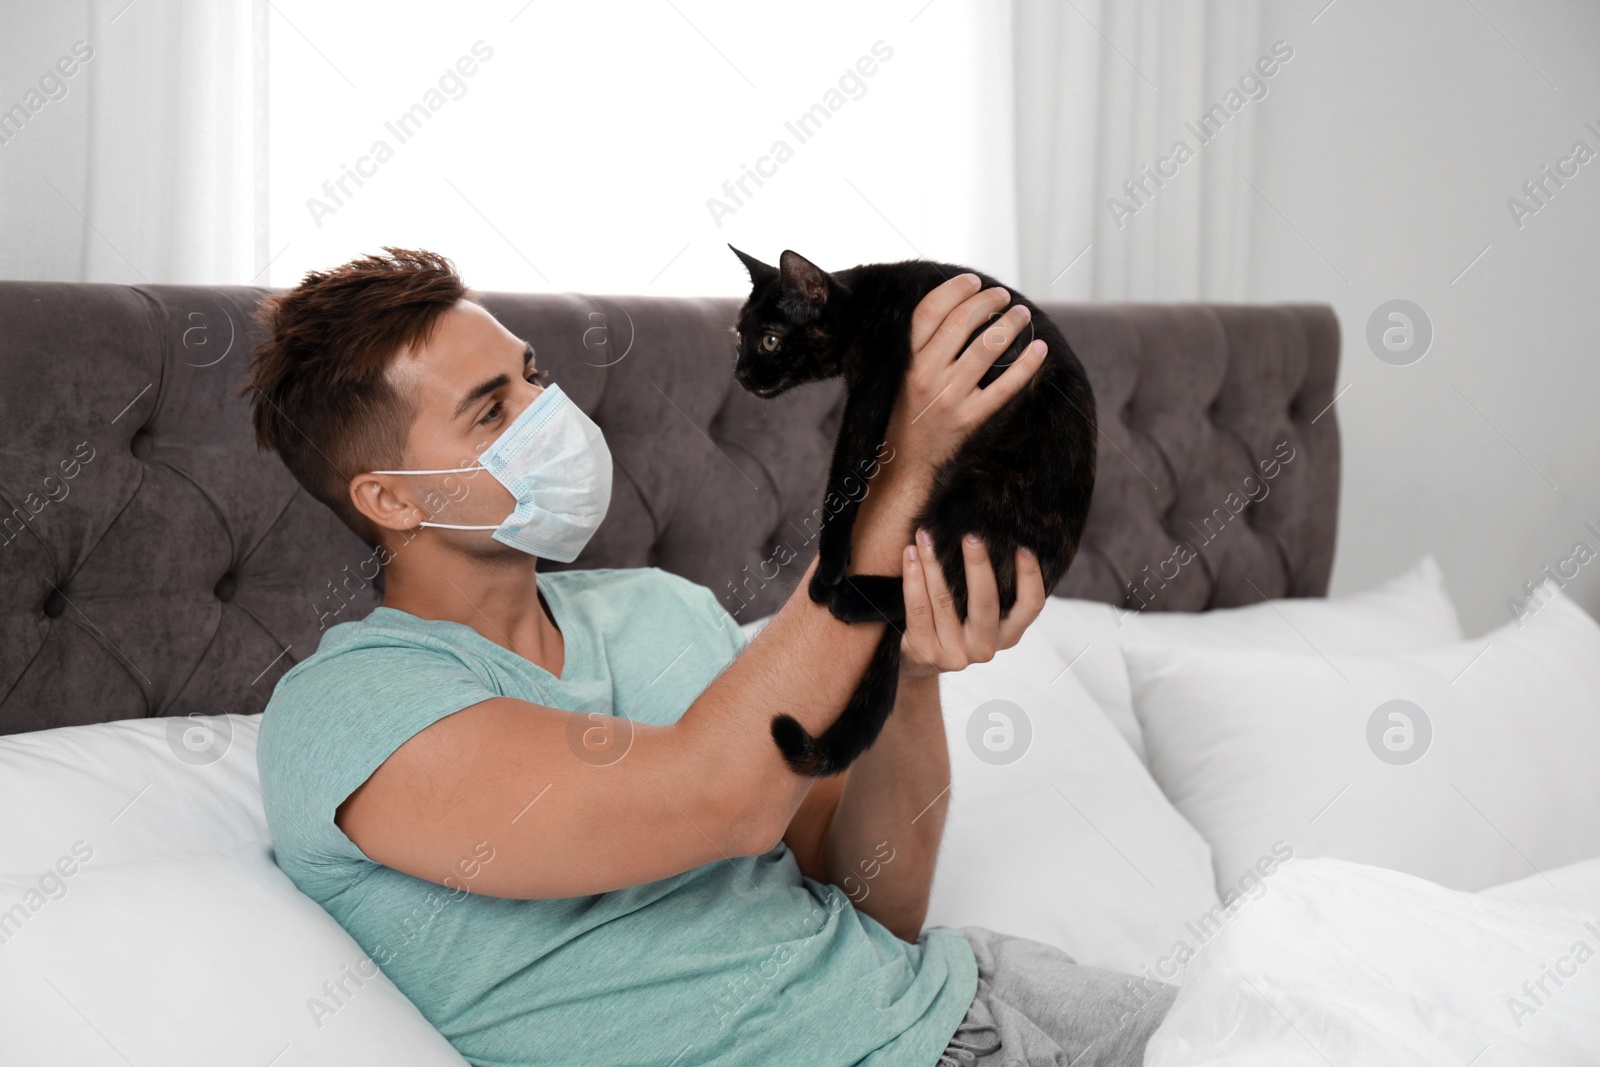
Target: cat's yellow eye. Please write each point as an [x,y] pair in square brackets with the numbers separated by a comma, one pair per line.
[769,342]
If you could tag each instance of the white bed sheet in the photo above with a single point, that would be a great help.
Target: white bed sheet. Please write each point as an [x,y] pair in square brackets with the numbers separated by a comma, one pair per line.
[1344,963]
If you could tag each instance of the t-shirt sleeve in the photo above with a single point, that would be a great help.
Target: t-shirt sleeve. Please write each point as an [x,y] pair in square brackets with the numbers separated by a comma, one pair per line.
[331,724]
[727,624]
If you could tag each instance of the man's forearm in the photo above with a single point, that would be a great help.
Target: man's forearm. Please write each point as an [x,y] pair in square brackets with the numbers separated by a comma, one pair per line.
[884,839]
[805,664]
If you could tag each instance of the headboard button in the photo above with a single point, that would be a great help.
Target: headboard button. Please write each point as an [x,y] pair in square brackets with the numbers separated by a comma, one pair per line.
[55,605]
[142,445]
[225,588]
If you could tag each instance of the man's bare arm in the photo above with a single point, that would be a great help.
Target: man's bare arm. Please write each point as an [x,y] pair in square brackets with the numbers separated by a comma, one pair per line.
[882,841]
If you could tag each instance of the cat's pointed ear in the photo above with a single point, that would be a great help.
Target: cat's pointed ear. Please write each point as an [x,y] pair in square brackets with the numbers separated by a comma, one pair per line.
[759,271]
[800,275]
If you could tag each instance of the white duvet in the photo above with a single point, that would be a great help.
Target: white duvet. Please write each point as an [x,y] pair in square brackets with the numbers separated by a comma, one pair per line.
[1341,963]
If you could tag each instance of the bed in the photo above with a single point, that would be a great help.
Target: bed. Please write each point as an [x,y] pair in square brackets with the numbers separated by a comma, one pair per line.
[159,576]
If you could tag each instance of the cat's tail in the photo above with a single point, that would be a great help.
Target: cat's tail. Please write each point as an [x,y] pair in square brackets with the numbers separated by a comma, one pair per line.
[856,728]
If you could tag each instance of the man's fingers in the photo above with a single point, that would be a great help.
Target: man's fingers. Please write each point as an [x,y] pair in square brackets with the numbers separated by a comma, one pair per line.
[983,600]
[945,623]
[1031,595]
[945,344]
[939,302]
[989,346]
[988,400]
[919,634]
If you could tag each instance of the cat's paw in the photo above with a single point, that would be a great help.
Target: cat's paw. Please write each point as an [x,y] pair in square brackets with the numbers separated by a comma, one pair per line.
[820,591]
[869,598]
[830,570]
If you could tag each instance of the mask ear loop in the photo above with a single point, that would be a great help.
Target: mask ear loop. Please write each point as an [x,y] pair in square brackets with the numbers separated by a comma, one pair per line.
[448,470]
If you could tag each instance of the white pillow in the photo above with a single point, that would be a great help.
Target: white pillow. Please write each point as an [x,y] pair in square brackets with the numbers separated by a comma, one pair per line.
[1503,732]
[1071,843]
[1410,611]
[134,789]
[139,882]
[1576,885]
[200,958]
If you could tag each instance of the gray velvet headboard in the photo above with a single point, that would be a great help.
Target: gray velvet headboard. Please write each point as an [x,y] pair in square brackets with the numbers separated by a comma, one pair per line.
[152,562]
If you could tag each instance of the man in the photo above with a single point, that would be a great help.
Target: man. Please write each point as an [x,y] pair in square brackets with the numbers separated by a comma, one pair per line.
[547,805]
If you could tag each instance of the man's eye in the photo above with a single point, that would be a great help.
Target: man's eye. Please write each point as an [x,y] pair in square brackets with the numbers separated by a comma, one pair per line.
[538,377]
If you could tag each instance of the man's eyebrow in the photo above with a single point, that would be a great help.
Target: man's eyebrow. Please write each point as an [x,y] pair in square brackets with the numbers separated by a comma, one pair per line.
[497,382]
[483,389]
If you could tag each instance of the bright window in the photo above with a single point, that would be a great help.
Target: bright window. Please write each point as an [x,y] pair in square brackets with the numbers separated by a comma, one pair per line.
[543,149]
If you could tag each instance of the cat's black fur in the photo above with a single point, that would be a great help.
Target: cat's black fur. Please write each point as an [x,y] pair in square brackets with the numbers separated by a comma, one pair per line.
[1023,478]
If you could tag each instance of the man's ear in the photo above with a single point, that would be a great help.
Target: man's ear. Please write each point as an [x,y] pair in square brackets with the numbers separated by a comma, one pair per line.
[375,503]
[759,271]
[803,278]
[389,514]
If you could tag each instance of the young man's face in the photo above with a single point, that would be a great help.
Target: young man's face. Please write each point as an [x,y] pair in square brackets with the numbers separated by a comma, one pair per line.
[466,385]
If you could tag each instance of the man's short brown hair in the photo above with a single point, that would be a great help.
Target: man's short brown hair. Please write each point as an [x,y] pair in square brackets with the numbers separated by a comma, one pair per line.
[320,395]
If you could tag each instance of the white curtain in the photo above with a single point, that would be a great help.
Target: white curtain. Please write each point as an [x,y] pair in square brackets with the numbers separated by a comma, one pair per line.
[544,168]
[147,163]
[1106,89]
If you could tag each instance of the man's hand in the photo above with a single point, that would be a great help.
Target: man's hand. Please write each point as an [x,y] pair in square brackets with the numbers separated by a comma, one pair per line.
[935,639]
[940,403]
[938,406]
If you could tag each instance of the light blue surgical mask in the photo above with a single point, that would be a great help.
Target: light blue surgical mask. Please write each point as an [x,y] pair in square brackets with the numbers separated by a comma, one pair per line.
[554,461]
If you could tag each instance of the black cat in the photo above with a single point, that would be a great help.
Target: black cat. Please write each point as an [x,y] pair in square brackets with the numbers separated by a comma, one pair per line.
[1023,478]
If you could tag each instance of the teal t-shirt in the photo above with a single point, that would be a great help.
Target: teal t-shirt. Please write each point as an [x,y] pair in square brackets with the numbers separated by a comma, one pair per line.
[741,961]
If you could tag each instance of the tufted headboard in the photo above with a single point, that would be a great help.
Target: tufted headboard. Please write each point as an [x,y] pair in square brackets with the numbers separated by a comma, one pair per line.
[152,562]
